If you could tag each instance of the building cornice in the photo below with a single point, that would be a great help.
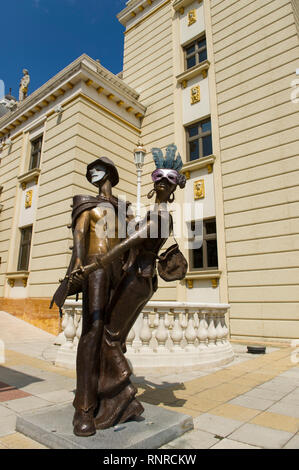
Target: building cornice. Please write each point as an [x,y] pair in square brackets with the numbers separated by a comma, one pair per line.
[84,68]
[204,162]
[139,10]
[133,9]
[179,4]
[199,69]
[31,175]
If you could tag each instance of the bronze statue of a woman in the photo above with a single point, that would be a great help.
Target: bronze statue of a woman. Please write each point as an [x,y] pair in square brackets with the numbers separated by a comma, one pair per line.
[109,374]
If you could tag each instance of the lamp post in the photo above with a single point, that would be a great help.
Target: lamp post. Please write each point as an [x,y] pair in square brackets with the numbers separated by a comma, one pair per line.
[139,155]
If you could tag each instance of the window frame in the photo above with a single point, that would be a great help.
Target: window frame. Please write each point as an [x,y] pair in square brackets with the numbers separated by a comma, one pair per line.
[197,50]
[23,244]
[34,152]
[198,137]
[205,238]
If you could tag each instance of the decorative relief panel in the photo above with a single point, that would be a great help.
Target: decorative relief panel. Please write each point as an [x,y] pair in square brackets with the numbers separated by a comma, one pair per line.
[28,199]
[195,94]
[199,189]
[191,17]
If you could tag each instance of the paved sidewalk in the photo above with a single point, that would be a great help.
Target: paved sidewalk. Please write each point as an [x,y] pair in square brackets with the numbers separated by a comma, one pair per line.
[249,404]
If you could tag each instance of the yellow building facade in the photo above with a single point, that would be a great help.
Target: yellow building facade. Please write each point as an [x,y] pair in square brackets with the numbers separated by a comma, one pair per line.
[213,76]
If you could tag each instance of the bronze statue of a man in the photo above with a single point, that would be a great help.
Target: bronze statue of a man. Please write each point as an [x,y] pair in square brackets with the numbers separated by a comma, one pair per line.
[117,277]
[95,224]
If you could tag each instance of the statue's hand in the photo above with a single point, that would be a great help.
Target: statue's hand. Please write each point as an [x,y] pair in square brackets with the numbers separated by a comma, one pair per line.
[77,276]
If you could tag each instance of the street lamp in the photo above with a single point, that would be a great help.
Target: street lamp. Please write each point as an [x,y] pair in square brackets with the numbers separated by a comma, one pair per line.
[139,155]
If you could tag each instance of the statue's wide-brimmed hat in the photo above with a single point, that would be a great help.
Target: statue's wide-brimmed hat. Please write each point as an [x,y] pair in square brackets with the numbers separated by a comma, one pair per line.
[110,167]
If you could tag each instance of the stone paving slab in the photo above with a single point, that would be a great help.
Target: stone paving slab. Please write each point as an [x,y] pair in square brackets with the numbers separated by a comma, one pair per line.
[293,443]
[49,386]
[288,409]
[217,425]
[26,404]
[196,439]
[277,421]
[11,393]
[294,394]
[292,373]
[261,436]
[19,441]
[278,386]
[16,378]
[252,402]
[59,396]
[53,427]
[4,411]
[290,400]
[230,444]
[8,424]
[36,372]
[236,412]
[265,394]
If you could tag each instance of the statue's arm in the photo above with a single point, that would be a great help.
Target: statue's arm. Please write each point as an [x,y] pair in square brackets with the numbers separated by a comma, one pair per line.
[80,233]
[132,241]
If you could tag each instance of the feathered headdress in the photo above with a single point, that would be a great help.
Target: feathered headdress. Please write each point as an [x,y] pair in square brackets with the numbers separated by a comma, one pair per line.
[169,161]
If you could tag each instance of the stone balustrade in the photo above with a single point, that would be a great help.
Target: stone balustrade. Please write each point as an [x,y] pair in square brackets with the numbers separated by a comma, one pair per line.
[172,335]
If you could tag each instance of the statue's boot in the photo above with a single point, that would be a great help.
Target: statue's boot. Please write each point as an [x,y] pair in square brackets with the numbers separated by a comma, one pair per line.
[114,367]
[112,408]
[133,410]
[83,423]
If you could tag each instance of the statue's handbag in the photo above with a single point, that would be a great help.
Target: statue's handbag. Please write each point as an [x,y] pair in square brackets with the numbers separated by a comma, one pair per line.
[172,264]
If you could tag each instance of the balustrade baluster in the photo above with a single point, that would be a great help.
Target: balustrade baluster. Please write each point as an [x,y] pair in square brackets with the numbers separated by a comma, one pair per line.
[176,332]
[61,339]
[202,330]
[184,322]
[70,330]
[130,338]
[166,320]
[211,330]
[196,322]
[156,320]
[161,333]
[190,333]
[79,325]
[76,323]
[224,328]
[145,334]
[218,326]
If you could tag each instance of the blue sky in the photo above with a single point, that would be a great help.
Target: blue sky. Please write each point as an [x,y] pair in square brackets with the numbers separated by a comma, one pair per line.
[44,36]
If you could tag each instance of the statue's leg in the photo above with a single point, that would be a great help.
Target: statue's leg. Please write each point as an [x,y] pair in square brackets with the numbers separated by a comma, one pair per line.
[117,393]
[95,298]
[147,296]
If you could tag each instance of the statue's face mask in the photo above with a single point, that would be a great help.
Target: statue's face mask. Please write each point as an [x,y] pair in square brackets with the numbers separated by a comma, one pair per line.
[170,175]
[97,174]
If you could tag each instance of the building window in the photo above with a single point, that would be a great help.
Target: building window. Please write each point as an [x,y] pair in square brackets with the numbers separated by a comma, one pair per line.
[195,53]
[199,140]
[35,155]
[25,245]
[205,257]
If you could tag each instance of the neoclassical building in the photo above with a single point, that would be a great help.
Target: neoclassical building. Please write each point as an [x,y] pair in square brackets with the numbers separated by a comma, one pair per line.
[212,76]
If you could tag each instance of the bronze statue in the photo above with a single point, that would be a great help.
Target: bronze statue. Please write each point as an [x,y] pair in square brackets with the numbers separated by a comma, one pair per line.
[117,278]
